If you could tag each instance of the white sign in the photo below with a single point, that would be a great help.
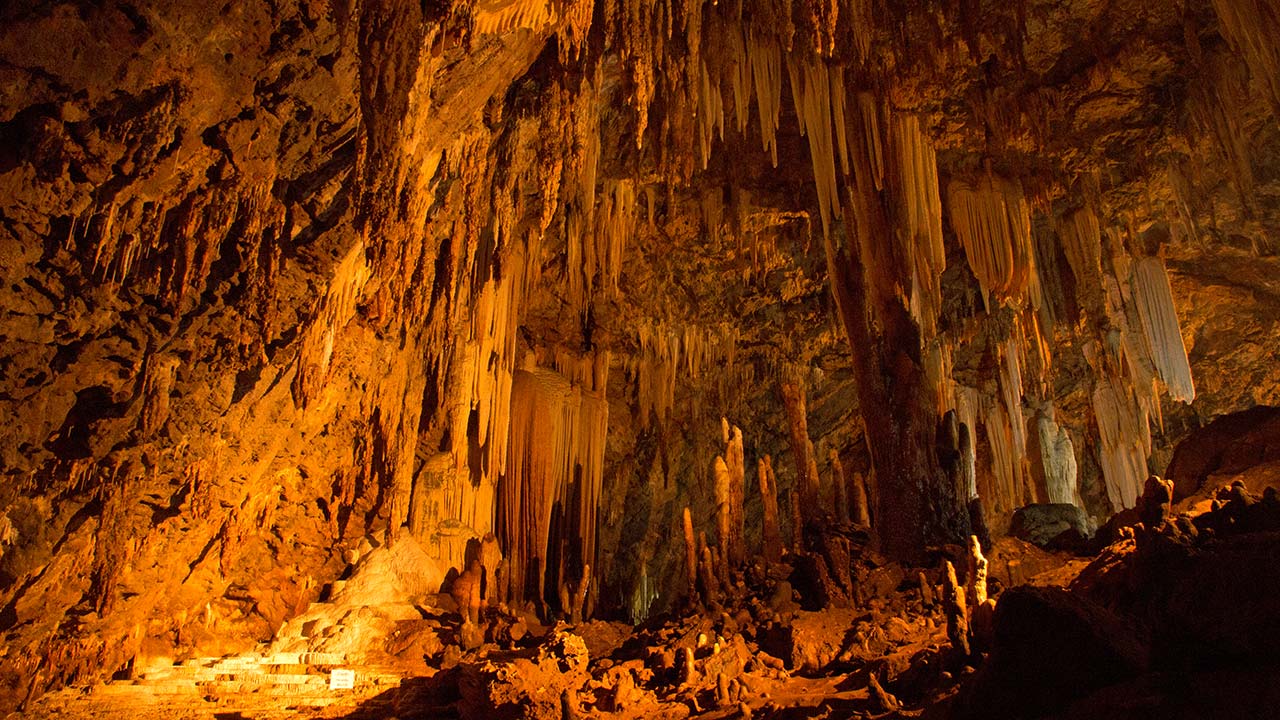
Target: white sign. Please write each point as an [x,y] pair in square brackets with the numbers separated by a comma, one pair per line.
[342,679]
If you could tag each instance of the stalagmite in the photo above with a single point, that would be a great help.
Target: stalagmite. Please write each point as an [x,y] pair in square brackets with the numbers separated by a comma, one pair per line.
[1057,458]
[1154,298]
[690,557]
[490,559]
[976,582]
[578,603]
[723,521]
[771,539]
[841,486]
[797,523]
[793,397]
[861,515]
[707,572]
[953,598]
[735,467]
[466,592]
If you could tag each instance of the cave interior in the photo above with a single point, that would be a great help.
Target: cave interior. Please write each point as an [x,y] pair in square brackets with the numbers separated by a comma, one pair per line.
[640,359]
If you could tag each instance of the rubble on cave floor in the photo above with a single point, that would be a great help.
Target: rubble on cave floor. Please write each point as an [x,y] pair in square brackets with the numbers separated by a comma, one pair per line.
[1183,602]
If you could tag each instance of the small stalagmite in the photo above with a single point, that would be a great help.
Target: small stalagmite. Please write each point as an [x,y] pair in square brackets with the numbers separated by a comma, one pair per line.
[466,592]
[976,583]
[578,601]
[797,523]
[955,607]
[490,559]
[861,514]
[841,487]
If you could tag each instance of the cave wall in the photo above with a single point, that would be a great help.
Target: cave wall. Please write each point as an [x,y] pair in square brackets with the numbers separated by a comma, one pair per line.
[251,259]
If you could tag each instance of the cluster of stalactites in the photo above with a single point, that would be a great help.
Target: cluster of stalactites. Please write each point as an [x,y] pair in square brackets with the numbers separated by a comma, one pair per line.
[817,89]
[992,219]
[1253,29]
[1014,467]
[597,241]
[1125,438]
[670,352]
[921,234]
[555,457]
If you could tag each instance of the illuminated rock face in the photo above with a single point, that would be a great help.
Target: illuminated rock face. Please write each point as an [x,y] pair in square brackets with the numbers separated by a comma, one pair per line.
[277,277]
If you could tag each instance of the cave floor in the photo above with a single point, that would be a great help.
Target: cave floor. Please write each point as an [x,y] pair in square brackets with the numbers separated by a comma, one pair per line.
[1174,617]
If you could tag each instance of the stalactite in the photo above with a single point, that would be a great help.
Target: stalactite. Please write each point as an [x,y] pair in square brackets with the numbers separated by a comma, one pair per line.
[1159,320]
[672,352]
[771,538]
[1011,394]
[1215,105]
[157,385]
[993,222]
[863,27]
[335,311]
[1004,496]
[1125,441]
[557,435]
[921,238]
[811,90]
[495,17]
[869,112]
[765,57]
[656,372]
[1253,29]
[710,114]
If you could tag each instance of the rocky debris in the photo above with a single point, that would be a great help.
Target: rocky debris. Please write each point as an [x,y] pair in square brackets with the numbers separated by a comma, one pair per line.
[1052,525]
[1193,596]
[539,683]
[1050,647]
[811,640]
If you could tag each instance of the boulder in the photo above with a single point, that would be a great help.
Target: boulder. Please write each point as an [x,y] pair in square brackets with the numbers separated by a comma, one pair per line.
[1052,525]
